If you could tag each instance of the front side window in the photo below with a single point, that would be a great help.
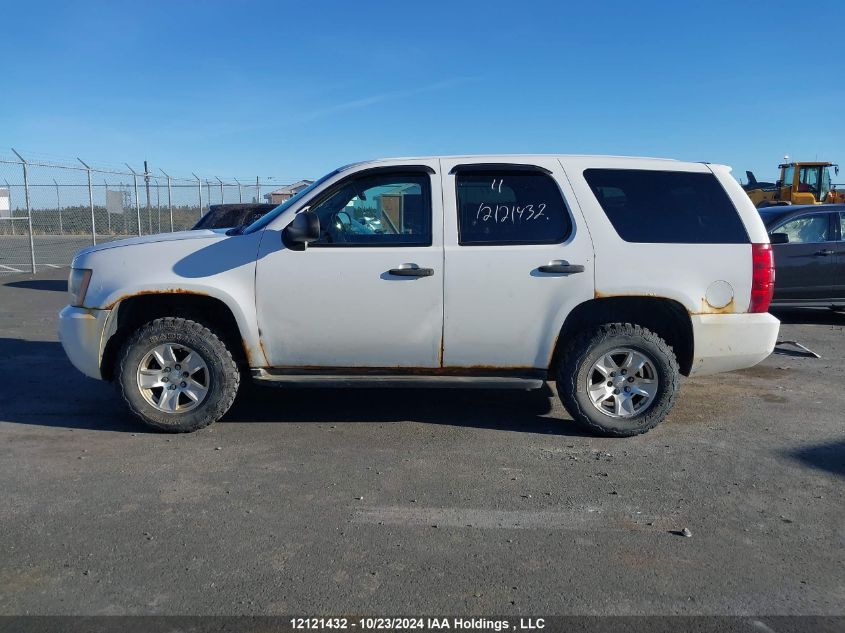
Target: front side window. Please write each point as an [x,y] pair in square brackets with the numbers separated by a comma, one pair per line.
[808,229]
[674,207]
[510,207]
[376,210]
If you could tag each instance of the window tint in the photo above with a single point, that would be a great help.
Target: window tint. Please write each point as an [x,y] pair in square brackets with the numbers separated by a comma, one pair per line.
[808,229]
[378,210]
[510,207]
[666,206]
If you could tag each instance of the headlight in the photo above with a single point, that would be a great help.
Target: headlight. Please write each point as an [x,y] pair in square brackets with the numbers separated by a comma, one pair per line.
[77,285]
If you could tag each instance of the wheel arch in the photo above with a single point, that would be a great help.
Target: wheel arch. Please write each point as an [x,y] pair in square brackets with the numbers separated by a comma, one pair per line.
[134,311]
[665,317]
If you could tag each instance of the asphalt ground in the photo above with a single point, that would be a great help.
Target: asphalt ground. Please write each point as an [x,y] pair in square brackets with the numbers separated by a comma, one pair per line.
[387,502]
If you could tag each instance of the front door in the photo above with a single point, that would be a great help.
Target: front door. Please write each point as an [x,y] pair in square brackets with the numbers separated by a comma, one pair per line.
[805,266]
[369,292]
[518,259]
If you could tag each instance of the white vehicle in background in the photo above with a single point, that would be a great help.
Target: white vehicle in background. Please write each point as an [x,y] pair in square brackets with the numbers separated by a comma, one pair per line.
[611,276]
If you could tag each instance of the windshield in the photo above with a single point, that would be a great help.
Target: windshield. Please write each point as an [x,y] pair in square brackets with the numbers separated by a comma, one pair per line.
[287,204]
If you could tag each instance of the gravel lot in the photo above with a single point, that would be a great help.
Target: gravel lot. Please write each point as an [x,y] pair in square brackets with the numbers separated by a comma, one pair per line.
[389,502]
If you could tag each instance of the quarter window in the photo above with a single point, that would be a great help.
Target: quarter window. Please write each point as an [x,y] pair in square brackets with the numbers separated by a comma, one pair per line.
[510,207]
[808,229]
[377,210]
[666,206]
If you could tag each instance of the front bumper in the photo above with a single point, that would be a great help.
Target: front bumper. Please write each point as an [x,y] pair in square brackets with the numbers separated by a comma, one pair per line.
[81,333]
[724,342]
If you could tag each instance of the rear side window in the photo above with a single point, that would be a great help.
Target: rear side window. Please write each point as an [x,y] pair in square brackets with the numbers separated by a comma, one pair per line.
[510,207]
[666,206]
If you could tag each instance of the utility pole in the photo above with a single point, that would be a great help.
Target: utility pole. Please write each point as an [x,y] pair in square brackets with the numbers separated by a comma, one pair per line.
[169,198]
[59,207]
[90,201]
[108,213]
[149,208]
[199,190]
[137,201]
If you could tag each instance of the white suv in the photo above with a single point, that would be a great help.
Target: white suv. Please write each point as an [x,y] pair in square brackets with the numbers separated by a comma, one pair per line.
[611,276]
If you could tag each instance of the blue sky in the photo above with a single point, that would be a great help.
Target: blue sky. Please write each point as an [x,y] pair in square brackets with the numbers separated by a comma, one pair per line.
[292,90]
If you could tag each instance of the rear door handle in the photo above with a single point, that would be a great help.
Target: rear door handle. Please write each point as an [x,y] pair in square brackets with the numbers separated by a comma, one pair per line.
[411,270]
[824,253]
[559,266]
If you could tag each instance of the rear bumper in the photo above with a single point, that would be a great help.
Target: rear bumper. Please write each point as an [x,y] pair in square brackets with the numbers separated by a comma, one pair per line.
[81,333]
[724,342]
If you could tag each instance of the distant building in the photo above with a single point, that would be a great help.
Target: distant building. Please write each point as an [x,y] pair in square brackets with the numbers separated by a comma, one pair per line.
[287,192]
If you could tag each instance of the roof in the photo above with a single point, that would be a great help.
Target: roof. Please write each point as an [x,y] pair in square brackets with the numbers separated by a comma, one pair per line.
[523,156]
[292,188]
[498,158]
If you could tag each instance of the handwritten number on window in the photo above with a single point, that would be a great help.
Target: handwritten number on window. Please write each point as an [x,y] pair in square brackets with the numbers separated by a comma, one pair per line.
[501,213]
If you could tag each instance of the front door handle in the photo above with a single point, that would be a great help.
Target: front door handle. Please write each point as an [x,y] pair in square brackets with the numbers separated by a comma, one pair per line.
[824,253]
[559,266]
[411,270]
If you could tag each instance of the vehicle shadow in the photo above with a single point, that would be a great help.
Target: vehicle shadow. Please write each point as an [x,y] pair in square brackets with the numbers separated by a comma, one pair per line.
[57,285]
[503,410]
[810,316]
[829,456]
[44,389]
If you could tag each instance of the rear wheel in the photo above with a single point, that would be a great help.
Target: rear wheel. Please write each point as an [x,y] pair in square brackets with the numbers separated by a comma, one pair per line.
[618,380]
[177,375]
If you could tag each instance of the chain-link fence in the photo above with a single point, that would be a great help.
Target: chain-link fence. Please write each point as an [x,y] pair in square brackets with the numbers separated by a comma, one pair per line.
[48,211]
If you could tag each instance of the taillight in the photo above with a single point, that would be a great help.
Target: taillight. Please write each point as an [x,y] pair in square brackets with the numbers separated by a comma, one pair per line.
[762,277]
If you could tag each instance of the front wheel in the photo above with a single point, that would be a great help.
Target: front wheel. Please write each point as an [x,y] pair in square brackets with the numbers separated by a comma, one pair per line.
[618,380]
[176,375]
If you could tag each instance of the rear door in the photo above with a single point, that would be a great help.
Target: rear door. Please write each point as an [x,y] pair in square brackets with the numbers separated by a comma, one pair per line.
[805,267]
[518,258]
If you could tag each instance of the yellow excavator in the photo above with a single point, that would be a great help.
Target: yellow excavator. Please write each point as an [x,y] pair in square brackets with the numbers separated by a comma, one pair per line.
[799,183]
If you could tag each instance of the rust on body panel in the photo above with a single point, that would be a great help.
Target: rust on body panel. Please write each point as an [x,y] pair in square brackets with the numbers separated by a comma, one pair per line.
[474,370]
[165,291]
[706,308]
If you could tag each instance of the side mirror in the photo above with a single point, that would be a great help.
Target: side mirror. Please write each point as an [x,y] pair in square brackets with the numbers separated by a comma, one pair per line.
[779,238]
[304,228]
[778,184]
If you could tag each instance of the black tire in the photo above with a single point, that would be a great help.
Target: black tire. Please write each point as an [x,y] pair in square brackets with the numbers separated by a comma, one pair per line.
[579,356]
[223,375]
